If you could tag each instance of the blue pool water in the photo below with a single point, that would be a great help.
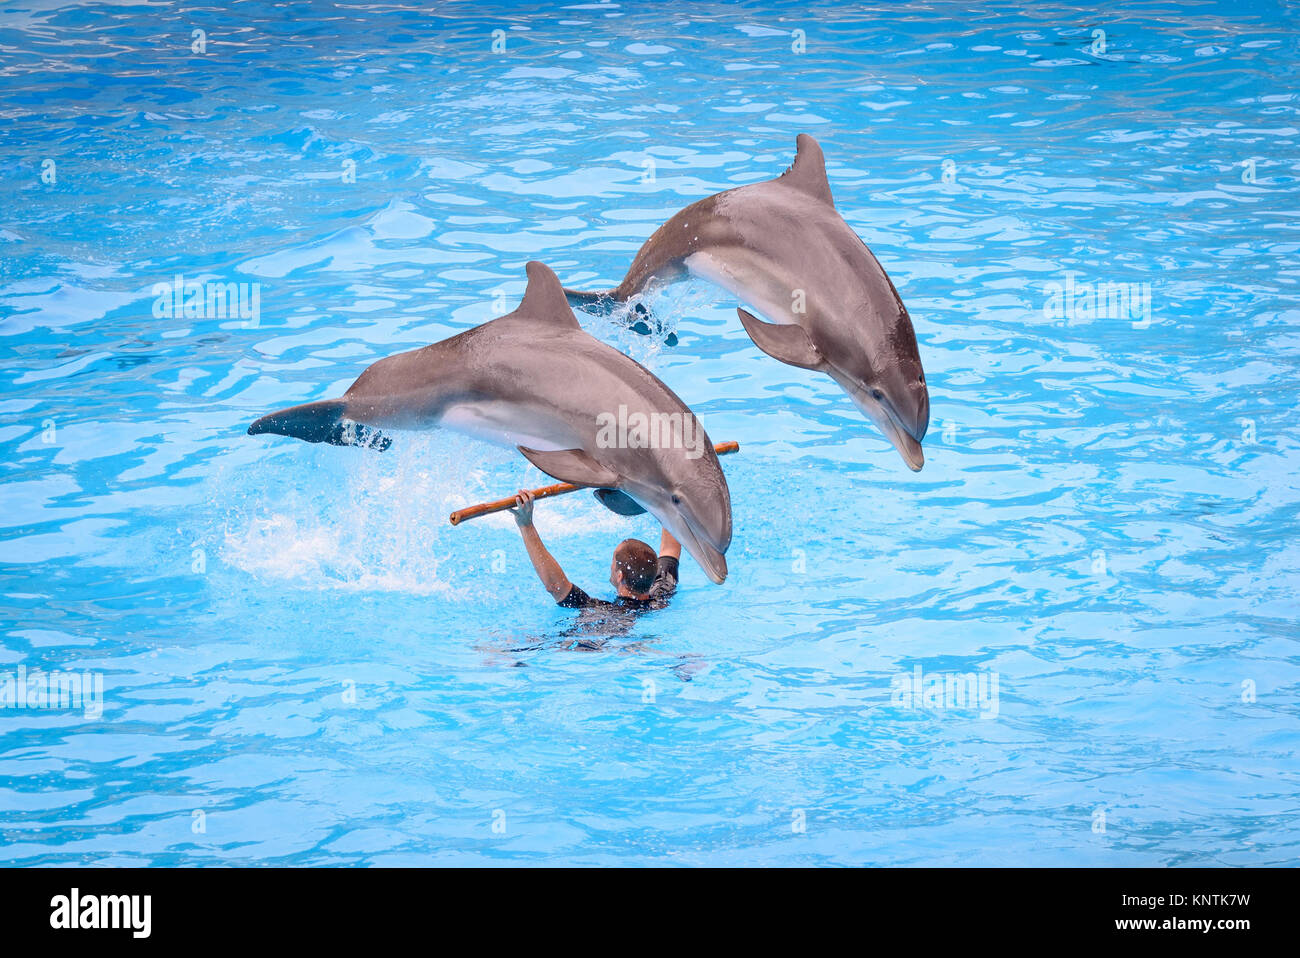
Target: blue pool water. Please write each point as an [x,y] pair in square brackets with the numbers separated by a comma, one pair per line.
[303,663]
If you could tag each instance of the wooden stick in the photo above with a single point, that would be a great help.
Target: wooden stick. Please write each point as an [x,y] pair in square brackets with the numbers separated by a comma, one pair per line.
[545,492]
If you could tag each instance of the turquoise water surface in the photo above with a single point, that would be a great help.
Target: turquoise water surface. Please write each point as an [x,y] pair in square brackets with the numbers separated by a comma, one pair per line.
[302,663]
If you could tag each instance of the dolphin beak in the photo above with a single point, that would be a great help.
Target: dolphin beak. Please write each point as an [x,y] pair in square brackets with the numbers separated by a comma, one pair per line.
[713,562]
[909,443]
[910,450]
[905,437]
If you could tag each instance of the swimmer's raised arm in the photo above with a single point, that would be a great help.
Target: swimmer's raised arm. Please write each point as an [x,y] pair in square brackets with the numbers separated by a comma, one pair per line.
[547,569]
[669,546]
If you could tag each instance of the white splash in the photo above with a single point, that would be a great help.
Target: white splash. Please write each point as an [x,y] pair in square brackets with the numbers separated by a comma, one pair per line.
[354,520]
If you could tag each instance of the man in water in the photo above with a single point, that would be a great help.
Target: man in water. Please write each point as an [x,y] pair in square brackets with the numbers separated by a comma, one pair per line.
[642,580]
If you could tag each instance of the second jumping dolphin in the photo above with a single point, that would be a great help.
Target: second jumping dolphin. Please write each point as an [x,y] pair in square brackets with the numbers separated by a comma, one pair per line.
[782,247]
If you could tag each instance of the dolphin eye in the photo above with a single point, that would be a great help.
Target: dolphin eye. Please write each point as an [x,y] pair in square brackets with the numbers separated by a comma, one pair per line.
[921,380]
[877,395]
[677,500]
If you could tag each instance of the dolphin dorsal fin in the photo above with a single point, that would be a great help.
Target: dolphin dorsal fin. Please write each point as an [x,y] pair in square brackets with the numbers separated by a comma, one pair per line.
[544,297]
[808,171]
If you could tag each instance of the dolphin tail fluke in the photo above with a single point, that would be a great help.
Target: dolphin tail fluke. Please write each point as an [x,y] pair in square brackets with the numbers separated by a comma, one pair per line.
[321,421]
[606,303]
[597,302]
[641,320]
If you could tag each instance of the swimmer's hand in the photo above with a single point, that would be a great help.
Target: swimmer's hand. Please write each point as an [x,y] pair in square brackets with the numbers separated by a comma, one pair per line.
[523,510]
[544,564]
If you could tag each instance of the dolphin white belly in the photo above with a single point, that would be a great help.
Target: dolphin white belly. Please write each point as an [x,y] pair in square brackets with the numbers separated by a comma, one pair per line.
[510,424]
[745,283]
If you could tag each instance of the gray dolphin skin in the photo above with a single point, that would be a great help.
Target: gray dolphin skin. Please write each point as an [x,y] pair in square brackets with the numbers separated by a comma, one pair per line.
[536,380]
[783,248]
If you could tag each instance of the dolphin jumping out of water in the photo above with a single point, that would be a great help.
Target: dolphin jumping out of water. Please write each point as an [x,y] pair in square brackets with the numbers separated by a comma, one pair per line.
[782,247]
[579,410]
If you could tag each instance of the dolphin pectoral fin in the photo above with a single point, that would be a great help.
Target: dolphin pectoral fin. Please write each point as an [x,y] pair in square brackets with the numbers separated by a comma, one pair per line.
[571,465]
[321,421]
[788,343]
[618,502]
